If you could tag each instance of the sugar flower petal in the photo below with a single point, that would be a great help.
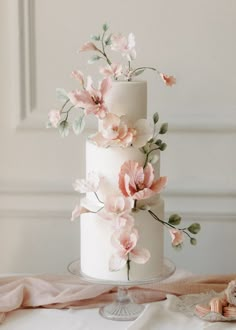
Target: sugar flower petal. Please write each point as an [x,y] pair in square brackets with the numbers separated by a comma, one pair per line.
[91,184]
[177,236]
[54,117]
[139,183]
[88,46]
[168,80]
[140,255]
[78,210]
[78,75]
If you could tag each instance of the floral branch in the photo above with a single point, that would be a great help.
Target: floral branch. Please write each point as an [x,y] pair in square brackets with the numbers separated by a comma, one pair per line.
[174,220]
[154,143]
[139,71]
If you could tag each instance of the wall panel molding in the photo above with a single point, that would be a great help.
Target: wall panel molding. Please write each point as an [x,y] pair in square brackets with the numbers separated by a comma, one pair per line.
[26,61]
[33,201]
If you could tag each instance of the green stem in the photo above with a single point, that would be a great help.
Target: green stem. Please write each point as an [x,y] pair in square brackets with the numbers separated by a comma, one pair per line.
[141,68]
[103,52]
[98,197]
[64,105]
[67,112]
[128,267]
[97,210]
[147,155]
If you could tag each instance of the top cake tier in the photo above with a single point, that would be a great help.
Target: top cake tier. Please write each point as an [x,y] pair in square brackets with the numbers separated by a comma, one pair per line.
[128,98]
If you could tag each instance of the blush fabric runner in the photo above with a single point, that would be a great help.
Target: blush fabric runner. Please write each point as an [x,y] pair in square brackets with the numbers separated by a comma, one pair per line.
[68,291]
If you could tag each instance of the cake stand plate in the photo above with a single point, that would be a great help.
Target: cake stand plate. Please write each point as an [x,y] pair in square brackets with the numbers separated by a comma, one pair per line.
[123,308]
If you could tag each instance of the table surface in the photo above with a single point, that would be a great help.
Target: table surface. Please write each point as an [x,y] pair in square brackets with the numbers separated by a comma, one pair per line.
[158,315]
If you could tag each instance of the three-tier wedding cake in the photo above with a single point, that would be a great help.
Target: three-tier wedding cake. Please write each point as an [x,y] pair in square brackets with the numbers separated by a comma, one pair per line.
[121,213]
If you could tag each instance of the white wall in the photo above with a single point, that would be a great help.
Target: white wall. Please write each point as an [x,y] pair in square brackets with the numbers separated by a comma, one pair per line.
[195,41]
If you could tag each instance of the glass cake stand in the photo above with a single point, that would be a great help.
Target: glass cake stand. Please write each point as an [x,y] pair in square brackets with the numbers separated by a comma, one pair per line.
[123,308]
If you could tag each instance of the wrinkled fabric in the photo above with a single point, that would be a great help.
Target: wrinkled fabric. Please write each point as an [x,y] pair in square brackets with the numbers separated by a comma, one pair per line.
[64,291]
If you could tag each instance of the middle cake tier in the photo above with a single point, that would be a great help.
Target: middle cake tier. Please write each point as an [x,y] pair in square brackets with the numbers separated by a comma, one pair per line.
[107,162]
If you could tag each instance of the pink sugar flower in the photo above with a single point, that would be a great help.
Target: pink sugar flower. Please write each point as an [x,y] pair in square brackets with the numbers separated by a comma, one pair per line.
[54,117]
[91,184]
[114,131]
[177,236]
[168,80]
[124,242]
[118,204]
[124,45]
[88,46]
[113,70]
[138,182]
[91,99]
[117,209]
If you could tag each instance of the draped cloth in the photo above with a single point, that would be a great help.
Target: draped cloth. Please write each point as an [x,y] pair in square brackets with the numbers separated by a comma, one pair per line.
[69,291]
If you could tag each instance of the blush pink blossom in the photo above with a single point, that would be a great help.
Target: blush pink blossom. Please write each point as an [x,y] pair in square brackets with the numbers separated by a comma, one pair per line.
[114,131]
[168,80]
[88,46]
[117,209]
[138,182]
[92,100]
[113,70]
[125,241]
[54,117]
[91,184]
[124,45]
[177,236]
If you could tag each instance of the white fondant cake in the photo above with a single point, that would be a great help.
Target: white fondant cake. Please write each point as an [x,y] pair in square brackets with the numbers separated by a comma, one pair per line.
[129,99]
[122,215]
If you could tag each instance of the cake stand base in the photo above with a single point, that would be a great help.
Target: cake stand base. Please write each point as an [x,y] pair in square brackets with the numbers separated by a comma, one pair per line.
[123,308]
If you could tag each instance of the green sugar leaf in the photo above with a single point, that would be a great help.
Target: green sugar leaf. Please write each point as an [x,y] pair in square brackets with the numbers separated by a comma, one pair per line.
[163,146]
[164,128]
[155,117]
[61,94]
[105,27]
[194,228]
[94,59]
[64,128]
[174,219]
[108,40]
[193,241]
[138,72]
[95,38]
[79,124]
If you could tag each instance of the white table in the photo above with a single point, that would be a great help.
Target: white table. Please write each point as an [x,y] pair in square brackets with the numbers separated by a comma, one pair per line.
[159,315]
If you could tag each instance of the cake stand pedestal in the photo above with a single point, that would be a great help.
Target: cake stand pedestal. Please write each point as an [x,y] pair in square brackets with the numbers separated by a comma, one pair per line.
[123,308]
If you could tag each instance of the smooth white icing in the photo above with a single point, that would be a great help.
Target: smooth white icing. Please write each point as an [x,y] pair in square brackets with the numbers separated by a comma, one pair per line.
[128,98]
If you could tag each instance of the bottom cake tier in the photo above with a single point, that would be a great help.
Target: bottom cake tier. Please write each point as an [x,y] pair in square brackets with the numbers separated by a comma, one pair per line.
[96,248]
